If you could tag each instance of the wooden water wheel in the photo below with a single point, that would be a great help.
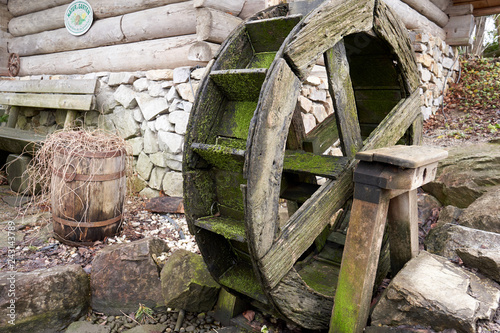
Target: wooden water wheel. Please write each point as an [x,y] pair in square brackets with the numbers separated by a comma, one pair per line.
[267,206]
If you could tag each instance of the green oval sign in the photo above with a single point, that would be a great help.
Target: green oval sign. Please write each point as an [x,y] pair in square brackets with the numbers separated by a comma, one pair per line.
[78,17]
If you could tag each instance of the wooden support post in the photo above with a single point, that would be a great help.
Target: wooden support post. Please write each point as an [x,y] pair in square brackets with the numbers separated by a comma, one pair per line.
[13,115]
[386,182]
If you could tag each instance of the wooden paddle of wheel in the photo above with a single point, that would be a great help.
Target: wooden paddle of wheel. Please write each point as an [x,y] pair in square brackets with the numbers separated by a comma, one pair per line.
[246,153]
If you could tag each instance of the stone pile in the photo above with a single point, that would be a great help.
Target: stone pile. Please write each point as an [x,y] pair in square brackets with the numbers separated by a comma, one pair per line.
[435,60]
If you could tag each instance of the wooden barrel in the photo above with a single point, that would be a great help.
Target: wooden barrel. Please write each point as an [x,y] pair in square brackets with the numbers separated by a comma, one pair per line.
[87,194]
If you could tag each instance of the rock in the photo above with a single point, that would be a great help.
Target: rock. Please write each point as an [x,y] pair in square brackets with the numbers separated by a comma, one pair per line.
[159,159]
[105,99]
[47,118]
[305,104]
[182,74]
[149,193]
[151,107]
[121,78]
[160,74]
[446,239]
[137,144]
[155,181]
[144,166]
[126,97]
[141,84]
[198,73]
[172,184]
[171,142]
[432,291]
[487,261]
[46,300]
[309,122]
[319,112]
[162,123]
[467,173]
[147,329]
[156,90]
[136,184]
[124,275]
[125,123]
[150,142]
[318,95]
[187,284]
[187,91]
[86,327]
[427,204]
[449,214]
[172,94]
[180,119]
[313,80]
[174,165]
[484,213]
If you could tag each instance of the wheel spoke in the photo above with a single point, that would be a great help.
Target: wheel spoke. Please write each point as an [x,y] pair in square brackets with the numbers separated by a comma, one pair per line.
[344,103]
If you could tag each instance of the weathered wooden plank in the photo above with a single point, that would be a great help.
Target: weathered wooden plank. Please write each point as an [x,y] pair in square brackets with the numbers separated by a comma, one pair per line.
[5,17]
[199,195]
[413,19]
[53,101]
[228,189]
[267,35]
[116,58]
[360,260]
[459,10]
[235,121]
[242,279]
[268,140]
[322,137]
[308,163]
[228,306]
[459,30]
[48,19]
[393,127]
[235,52]
[22,7]
[224,158]
[304,226]
[417,130]
[240,84]
[324,27]
[403,229]
[109,8]
[429,10]
[224,226]
[213,25]
[233,7]
[344,103]
[17,141]
[84,86]
[403,156]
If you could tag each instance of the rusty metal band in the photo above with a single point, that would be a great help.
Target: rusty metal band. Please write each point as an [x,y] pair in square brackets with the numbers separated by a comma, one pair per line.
[68,177]
[87,224]
[98,154]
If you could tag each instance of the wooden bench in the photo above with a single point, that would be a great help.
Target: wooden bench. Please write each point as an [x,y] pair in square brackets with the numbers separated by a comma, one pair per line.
[69,94]
[72,95]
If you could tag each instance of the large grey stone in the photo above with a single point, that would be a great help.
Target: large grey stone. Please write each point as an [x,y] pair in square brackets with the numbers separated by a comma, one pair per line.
[126,97]
[180,119]
[150,142]
[151,107]
[467,173]
[160,74]
[172,184]
[172,94]
[432,291]
[124,275]
[45,300]
[141,84]
[187,284]
[137,144]
[86,327]
[144,166]
[155,181]
[487,261]
[171,142]
[125,123]
[427,206]
[156,90]
[446,239]
[187,90]
[484,213]
[105,99]
[121,78]
[159,159]
[162,123]
[449,214]
[182,74]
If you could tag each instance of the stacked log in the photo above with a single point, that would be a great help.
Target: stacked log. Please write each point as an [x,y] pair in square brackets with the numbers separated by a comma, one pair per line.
[191,32]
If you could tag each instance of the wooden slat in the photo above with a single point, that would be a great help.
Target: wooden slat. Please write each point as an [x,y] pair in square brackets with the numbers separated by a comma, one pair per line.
[224,158]
[18,141]
[304,226]
[390,29]
[320,165]
[344,103]
[228,189]
[324,27]
[267,35]
[235,52]
[84,86]
[52,101]
[224,226]
[240,84]
[322,137]
[235,121]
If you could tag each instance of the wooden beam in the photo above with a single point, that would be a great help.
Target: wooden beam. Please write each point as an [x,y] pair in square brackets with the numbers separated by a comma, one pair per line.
[116,58]
[48,19]
[84,86]
[53,101]
[22,7]
[19,141]
[344,102]
[487,11]
[213,25]
[429,10]
[232,7]
[442,4]
[459,30]
[460,10]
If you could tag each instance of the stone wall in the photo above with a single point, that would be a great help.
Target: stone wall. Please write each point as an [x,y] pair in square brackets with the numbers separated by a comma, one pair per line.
[435,60]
